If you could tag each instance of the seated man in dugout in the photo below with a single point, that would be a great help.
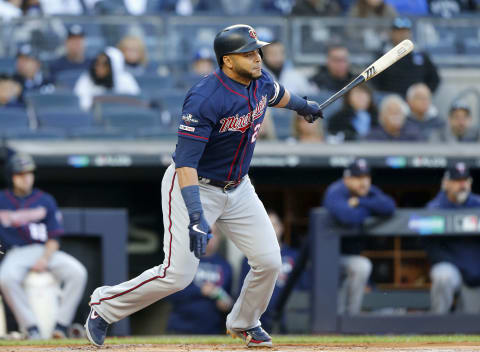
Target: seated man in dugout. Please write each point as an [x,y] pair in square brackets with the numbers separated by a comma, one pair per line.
[350,201]
[455,260]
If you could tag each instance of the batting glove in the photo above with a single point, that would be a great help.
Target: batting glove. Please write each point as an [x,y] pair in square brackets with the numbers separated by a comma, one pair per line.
[311,112]
[200,234]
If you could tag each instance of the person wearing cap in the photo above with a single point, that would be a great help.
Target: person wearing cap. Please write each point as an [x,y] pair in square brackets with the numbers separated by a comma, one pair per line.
[455,261]
[460,127]
[30,225]
[350,201]
[28,71]
[74,58]
[10,93]
[413,68]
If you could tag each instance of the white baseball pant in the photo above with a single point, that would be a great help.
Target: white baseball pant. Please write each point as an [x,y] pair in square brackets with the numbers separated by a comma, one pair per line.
[64,267]
[240,215]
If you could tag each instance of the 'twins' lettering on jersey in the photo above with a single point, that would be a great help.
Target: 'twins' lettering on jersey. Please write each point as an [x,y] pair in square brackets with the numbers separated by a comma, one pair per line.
[220,122]
[242,123]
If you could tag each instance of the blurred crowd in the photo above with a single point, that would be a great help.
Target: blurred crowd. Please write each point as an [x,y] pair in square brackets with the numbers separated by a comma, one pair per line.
[394,106]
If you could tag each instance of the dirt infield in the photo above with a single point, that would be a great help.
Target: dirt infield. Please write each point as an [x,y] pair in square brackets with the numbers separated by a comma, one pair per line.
[389,347]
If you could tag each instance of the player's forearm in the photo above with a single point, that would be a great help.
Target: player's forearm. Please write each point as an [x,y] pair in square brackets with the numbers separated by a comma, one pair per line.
[51,246]
[284,101]
[187,176]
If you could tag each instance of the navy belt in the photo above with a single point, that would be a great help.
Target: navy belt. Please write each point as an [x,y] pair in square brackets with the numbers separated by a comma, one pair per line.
[225,185]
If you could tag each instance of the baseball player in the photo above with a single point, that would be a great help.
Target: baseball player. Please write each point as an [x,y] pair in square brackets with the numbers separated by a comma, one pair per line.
[30,224]
[208,182]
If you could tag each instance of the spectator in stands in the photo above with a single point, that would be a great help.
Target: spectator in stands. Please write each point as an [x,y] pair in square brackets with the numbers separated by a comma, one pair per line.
[203,62]
[289,257]
[29,73]
[460,128]
[107,74]
[31,8]
[336,73]
[455,261]
[316,8]
[350,201]
[10,9]
[201,308]
[392,120]
[62,7]
[372,8]
[274,60]
[305,132]
[357,116]
[422,112]
[410,8]
[74,58]
[441,8]
[135,53]
[10,93]
[267,129]
[30,225]
[414,68]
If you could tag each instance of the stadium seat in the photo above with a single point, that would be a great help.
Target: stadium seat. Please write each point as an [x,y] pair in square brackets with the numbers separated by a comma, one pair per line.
[149,84]
[13,118]
[131,119]
[65,120]
[62,102]
[156,133]
[27,133]
[98,132]
[283,121]
[67,79]
[105,102]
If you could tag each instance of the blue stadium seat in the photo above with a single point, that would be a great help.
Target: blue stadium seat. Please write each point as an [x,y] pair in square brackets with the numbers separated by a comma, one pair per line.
[67,120]
[41,133]
[99,132]
[131,119]
[13,118]
[150,84]
[102,104]
[156,133]
[67,79]
[64,101]
[283,121]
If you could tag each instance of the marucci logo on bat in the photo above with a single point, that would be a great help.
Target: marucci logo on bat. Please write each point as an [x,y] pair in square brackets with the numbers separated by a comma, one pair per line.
[370,72]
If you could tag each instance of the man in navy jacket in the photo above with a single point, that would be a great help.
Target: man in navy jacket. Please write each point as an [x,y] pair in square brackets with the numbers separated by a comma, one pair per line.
[454,260]
[350,201]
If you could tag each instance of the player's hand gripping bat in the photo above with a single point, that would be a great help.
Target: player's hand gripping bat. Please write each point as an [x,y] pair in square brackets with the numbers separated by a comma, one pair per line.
[392,56]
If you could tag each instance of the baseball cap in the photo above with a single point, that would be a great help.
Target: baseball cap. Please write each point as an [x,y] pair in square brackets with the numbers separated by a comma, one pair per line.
[458,105]
[26,50]
[402,23]
[75,30]
[457,171]
[359,167]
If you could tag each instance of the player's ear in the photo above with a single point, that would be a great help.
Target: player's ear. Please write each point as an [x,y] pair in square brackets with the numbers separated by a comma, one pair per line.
[227,61]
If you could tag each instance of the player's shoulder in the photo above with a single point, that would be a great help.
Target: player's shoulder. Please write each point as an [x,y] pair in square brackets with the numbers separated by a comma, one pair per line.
[43,197]
[205,88]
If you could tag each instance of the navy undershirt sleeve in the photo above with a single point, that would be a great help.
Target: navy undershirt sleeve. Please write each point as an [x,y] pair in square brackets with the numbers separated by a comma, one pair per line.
[188,152]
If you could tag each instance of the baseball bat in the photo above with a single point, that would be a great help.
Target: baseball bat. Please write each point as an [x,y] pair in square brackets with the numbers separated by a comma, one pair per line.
[387,60]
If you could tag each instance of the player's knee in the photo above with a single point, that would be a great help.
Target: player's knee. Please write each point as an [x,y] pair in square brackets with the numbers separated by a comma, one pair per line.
[8,279]
[362,268]
[442,278]
[182,280]
[271,263]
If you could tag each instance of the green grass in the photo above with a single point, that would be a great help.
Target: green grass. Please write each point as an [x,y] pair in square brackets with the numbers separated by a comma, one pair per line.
[284,339]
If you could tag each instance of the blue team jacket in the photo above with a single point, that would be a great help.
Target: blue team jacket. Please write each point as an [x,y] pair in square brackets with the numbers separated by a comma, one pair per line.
[463,252]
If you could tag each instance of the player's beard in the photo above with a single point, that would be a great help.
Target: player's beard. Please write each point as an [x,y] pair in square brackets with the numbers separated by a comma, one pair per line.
[248,74]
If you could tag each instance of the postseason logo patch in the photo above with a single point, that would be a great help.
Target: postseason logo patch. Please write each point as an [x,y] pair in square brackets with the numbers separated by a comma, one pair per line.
[187,128]
[188,119]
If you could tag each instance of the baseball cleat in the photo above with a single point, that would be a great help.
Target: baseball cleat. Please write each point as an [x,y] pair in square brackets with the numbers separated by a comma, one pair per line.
[254,337]
[96,328]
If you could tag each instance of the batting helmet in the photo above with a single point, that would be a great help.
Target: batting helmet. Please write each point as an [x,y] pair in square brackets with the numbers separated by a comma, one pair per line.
[239,38]
[19,163]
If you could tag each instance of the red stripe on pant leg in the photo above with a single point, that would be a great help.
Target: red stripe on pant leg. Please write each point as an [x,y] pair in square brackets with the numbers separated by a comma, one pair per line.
[169,253]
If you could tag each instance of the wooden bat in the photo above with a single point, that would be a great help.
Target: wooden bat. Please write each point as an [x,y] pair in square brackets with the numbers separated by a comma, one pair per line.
[387,60]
